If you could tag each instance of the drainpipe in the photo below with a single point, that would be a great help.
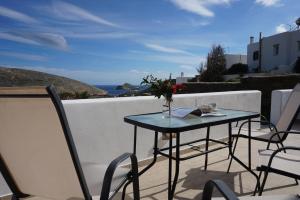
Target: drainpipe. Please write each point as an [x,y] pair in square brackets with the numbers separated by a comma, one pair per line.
[260,52]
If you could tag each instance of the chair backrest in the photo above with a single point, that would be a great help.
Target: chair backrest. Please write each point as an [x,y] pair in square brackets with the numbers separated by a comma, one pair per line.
[37,152]
[290,111]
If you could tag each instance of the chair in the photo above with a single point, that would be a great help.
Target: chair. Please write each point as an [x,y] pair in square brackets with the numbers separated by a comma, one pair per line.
[279,162]
[228,194]
[283,126]
[38,158]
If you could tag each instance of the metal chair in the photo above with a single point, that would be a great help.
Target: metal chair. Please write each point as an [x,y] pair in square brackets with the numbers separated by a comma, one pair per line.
[283,126]
[228,194]
[280,162]
[38,157]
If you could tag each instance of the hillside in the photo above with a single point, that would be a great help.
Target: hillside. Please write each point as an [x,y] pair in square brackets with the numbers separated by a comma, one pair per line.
[20,77]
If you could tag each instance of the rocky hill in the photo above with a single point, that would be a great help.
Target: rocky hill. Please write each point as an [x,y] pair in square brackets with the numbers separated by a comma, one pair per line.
[20,77]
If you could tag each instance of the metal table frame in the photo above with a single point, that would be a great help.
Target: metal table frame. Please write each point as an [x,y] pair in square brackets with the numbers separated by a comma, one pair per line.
[177,158]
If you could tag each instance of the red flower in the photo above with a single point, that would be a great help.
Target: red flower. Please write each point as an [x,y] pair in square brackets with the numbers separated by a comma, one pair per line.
[177,87]
[174,89]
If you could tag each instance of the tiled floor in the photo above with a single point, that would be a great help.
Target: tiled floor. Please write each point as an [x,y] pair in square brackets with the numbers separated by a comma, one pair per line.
[192,177]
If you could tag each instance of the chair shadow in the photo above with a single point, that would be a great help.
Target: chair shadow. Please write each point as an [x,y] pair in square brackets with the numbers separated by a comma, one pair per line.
[191,182]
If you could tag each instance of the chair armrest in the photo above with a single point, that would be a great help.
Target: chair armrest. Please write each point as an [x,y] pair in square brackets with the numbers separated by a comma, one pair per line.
[222,188]
[271,125]
[263,120]
[105,192]
[279,150]
[279,132]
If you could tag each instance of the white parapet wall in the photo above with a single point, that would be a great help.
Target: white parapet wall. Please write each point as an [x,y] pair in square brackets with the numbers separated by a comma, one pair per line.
[100,134]
[278,101]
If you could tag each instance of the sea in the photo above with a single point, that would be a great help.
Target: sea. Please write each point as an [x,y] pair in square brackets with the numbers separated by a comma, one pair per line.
[113,91]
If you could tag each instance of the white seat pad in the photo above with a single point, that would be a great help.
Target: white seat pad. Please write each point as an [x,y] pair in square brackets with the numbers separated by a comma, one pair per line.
[260,134]
[94,175]
[282,161]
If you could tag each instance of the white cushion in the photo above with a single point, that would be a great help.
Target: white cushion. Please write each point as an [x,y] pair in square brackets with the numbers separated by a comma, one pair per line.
[260,134]
[282,161]
[94,175]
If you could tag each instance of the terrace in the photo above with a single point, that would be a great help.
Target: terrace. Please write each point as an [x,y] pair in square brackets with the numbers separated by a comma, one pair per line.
[97,125]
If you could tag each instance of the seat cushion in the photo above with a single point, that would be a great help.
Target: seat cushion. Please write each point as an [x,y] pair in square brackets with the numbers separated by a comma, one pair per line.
[260,134]
[94,175]
[286,162]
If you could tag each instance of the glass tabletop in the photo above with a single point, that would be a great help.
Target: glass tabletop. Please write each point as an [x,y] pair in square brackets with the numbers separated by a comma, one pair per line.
[157,122]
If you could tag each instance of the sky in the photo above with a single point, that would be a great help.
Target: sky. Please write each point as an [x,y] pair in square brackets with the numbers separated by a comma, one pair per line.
[117,41]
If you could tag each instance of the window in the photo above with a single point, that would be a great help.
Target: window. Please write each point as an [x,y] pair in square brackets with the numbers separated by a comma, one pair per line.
[275,49]
[298,42]
[255,55]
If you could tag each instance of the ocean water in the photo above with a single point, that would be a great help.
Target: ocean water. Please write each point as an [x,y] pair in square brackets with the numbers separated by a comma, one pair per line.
[111,90]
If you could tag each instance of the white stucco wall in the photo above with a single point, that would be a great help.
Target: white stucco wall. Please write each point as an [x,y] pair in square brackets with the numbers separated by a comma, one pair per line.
[180,80]
[234,59]
[288,51]
[100,134]
[278,101]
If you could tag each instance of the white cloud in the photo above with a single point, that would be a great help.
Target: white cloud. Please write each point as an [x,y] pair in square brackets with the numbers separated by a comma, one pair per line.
[44,39]
[101,35]
[268,2]
[16,38]
[281,28]
[181,60]
[135,71]
[23,56]
[12,14]
[74,13]
[187,67]
[199,7]
[164,49]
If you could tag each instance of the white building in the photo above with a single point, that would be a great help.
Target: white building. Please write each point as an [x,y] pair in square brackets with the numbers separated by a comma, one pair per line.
[234,59]
[279,52]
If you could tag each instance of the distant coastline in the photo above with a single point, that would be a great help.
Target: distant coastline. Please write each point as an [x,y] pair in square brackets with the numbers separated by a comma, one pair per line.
[112,90]
[117,90]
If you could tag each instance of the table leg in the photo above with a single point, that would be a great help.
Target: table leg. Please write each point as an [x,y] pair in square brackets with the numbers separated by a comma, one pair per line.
[206,147]
[249,143]
[237,160]
[134,140]
[170,170]
[177,163]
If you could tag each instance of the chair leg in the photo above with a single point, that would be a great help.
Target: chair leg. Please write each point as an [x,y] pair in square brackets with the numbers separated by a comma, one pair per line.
[257,184]
[268,146]
[297,183]
[263,183]
[235,144]
[282,147]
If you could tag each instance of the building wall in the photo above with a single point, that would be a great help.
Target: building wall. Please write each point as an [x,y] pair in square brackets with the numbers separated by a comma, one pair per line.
[235,58]
[279,100]
[288,52]
[251,48]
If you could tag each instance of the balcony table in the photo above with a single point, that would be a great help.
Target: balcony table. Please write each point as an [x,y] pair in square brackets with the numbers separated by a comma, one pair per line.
[158,123]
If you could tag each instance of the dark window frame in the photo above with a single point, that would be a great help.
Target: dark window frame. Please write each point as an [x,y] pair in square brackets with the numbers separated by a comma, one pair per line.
[276,49]
[255,55]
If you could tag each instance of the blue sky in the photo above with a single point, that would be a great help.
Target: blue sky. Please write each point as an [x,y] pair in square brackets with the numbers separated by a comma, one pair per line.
[117,41]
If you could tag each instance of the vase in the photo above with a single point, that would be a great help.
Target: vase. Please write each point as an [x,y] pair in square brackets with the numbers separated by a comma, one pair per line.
[166,108]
